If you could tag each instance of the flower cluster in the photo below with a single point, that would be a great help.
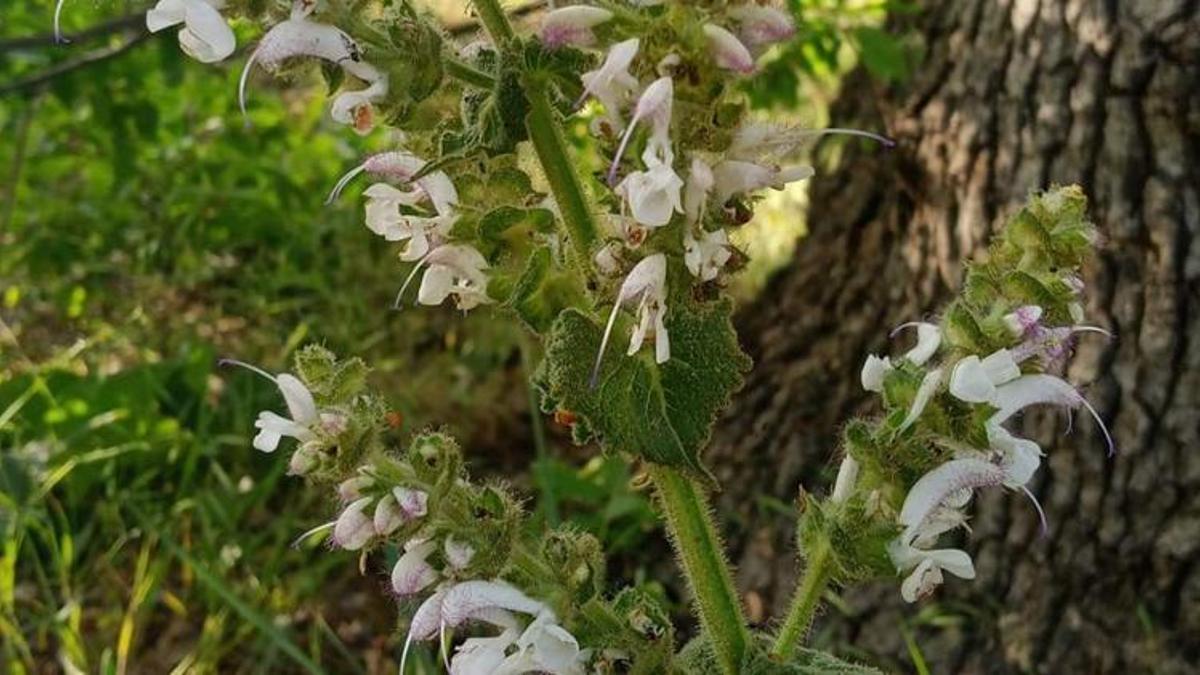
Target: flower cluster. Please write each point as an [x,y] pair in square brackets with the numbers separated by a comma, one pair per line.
[993,354]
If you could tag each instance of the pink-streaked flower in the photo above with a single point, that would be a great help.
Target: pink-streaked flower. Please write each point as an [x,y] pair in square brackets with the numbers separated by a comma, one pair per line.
[974,380]
[728,51]
[299,37]
[354,528]
[873,372]
[647,286]
[612,84]
[412,573]
[401,167]
[707,254]
[929,338]
[734,177]
[654,105]
[205,36]
[413,503]
[477,599]
[1039,389]
[572,25]
[759,26]
[934,488]
[1024,318]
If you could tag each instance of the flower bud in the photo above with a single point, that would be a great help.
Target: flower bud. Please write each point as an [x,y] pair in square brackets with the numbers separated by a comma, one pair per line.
[306,458]
[572,26]
[413,503]
[728,51]
[412,573]
[353,528]
[351,488]
[388,516]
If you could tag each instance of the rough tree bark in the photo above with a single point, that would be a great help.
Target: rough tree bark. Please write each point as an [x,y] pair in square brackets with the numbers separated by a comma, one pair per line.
[1012,95]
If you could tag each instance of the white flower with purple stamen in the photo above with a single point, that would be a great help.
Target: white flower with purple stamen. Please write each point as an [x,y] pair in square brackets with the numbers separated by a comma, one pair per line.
[299,36]
[612,84]
[572,25]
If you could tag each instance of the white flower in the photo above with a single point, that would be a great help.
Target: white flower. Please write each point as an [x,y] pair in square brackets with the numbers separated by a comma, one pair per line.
[929,338]
[655,104]
[934,488]
[612,84]
[572,25]
[925,392]
[700,183]
[974,380]
[760,25]
[452,270]
[401,167]
[301,406]
[647,285]
[1038,389]
[205,35]
[384,218]
[927,566]
[606,259]
[412,574]
[1019,457]
[353,528]
[545,647]
[653,196]
[873,372]
[732,177]
[484,655]
[297,37]
[728,52]
[763,142]
[706,256]
[356,108]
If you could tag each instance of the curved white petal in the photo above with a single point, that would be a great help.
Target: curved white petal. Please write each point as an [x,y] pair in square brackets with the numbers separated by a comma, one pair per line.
[934,487]
[969,381]
[206,36]
[299,399]
[165,14]
[925,393]
[353,528]
[728,51]
[874,371]
[412,574]
[465,600]
[929,338]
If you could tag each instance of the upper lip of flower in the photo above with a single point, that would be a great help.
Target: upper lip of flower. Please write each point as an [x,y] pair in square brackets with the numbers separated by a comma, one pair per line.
[205,35]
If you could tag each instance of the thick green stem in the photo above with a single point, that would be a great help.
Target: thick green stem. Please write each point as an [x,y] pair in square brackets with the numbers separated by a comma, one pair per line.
[804,603]
[546,135]
[494,21]
[701,552]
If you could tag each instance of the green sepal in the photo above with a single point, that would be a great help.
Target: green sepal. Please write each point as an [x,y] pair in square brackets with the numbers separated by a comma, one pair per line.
[662,413]
[332,381]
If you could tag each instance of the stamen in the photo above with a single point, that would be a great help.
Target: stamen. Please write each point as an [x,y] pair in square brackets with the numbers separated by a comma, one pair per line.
[399,296]
[1112,448]
[897,329]
[246,76]
[834,131]
[316,530]
[444,647]
[343,182]
[404,654]
[247,366]
[1092,329]
[612,170]
[1040,512]
[58,36]
[612,319]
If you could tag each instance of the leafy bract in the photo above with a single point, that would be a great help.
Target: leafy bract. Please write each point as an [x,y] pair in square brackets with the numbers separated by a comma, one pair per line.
[662,413]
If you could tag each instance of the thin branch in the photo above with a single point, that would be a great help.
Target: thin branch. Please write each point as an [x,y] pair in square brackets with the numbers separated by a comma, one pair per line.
[110,27]
[43,78]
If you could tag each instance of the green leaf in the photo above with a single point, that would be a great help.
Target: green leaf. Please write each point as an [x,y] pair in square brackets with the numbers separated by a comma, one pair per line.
[544,290]
[882,54]
[662,413]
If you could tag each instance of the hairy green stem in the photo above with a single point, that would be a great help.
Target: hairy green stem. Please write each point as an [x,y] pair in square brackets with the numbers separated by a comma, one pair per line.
[701,552]
[804,603]
[494,20]
[466,73]
[546,135]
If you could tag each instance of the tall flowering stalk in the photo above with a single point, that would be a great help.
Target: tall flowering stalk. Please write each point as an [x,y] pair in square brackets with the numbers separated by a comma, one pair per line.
[630,245]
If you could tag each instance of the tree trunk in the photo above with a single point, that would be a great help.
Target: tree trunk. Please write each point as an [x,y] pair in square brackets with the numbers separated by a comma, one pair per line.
[1012,95]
